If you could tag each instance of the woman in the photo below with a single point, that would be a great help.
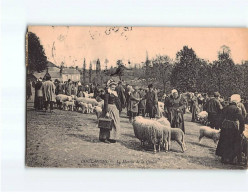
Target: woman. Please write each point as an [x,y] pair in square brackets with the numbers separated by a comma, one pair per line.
[229,146]
[110,110]
[176,105]
[39,95]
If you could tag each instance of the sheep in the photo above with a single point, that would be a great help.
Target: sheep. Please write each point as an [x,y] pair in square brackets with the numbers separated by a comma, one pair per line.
[68,105]
[151,131]
[83,106]
[176,133]
[203,117]
[208,132]
[60,98]
[89,108]
[88,95]
[87,100]
[98,111]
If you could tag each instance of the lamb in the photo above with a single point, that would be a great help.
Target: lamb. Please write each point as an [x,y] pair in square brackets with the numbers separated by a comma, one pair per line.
[176,133]
[98,111]
[89,108]
[91,101]
[151,131]
[203,117]
[83,106]
[68,105]
[208,132]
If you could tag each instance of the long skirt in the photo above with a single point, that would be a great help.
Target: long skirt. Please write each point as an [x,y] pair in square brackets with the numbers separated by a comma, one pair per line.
[114,133]
[229,145]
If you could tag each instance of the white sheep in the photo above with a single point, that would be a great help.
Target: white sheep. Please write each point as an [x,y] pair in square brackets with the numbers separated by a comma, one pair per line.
[60,98]
[83,106]
[210,133]
[68,105]
[89,108]
[176,133]
[91,101]
[203,117]
[98,111]
[151,131]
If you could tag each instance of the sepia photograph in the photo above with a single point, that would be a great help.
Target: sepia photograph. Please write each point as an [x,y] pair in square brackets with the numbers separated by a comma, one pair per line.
[136,97]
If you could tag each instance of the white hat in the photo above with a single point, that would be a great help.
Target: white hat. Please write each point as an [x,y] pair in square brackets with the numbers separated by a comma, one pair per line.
[235,98]
[174,91]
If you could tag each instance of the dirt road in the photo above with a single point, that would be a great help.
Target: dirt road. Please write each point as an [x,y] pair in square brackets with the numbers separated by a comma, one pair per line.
[70,139]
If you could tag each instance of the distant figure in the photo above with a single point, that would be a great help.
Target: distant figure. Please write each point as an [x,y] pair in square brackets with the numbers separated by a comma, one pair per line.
[29,90]
[121,94]
[133,103]
[176,105]
[151,101]
[68,87]
[48,93]
[214,108]
[229,146]
[142,103]
[59,88]
[38,95]
[195,106]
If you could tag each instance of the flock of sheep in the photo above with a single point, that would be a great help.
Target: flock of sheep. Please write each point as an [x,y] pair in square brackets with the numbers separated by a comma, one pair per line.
[157,132]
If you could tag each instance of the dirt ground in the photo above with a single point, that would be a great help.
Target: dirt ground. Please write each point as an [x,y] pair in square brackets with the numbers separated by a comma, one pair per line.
[70,139]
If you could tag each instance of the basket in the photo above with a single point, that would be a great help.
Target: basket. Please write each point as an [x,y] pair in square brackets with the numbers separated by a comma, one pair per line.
[105,123]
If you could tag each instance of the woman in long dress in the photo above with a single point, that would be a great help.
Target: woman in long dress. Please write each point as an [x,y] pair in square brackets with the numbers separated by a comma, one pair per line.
[111,103]
[229,146]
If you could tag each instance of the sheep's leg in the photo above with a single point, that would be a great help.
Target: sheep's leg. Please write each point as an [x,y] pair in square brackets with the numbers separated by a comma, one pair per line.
[159,147]
[200,138]
[181,144]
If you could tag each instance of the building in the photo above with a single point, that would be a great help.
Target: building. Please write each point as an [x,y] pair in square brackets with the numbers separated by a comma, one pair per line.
[59,73]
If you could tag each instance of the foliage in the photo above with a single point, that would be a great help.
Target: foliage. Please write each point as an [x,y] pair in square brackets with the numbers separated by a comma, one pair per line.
[37,60]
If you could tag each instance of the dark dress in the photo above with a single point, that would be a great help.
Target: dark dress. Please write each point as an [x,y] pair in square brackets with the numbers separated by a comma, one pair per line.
[175,109]
[232,127]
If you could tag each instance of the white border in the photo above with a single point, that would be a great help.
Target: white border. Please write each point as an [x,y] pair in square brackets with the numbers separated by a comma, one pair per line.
[17,14]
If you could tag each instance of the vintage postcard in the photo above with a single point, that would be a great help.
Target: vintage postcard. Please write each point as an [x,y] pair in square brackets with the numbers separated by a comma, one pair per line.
[136,97]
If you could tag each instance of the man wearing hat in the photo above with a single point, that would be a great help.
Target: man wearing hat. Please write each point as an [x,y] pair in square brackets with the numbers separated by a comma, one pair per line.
[213,108]
[194,106]
[151,101]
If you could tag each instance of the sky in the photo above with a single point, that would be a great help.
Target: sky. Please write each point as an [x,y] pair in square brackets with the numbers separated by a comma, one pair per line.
[72,44]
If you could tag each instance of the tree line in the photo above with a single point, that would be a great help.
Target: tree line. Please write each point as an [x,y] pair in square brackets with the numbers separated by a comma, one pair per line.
[187,72]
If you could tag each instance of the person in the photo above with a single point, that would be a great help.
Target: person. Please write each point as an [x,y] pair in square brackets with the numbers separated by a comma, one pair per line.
[195,106]
[142,103]
[128,94]
[59,88]
[68,87]
[39,95]
[151,101]
[175,106]
[121,94]
[29,90]
[133,103]
[214,108]
[204,101]
[48,89]
[229,146]
[80,90]
[110,110]
[242,109]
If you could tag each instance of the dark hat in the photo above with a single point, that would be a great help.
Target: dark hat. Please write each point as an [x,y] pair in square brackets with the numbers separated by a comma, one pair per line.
[150,86]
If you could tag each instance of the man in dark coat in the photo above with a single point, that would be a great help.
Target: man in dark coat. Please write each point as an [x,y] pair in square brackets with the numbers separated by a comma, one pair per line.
[121,95]
[151,101]
[229,146]
[214,108]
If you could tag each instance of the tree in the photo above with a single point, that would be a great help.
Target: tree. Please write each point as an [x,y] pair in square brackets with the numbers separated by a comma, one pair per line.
[98,71]
[37,60]
[226,73]
[185,73]
[84,71]
[106,63]
[90,72]
[162,67]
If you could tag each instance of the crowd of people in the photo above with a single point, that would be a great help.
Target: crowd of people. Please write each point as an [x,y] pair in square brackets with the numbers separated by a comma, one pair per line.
[228,115]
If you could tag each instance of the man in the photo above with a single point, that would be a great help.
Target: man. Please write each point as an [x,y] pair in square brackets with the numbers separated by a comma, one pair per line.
[214,108]
[195,107]
[68,87]
[39,95]
[59,88]
[48,93]
[151,101]
[121,95]
[175,105]
[142,103]
[133,103]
